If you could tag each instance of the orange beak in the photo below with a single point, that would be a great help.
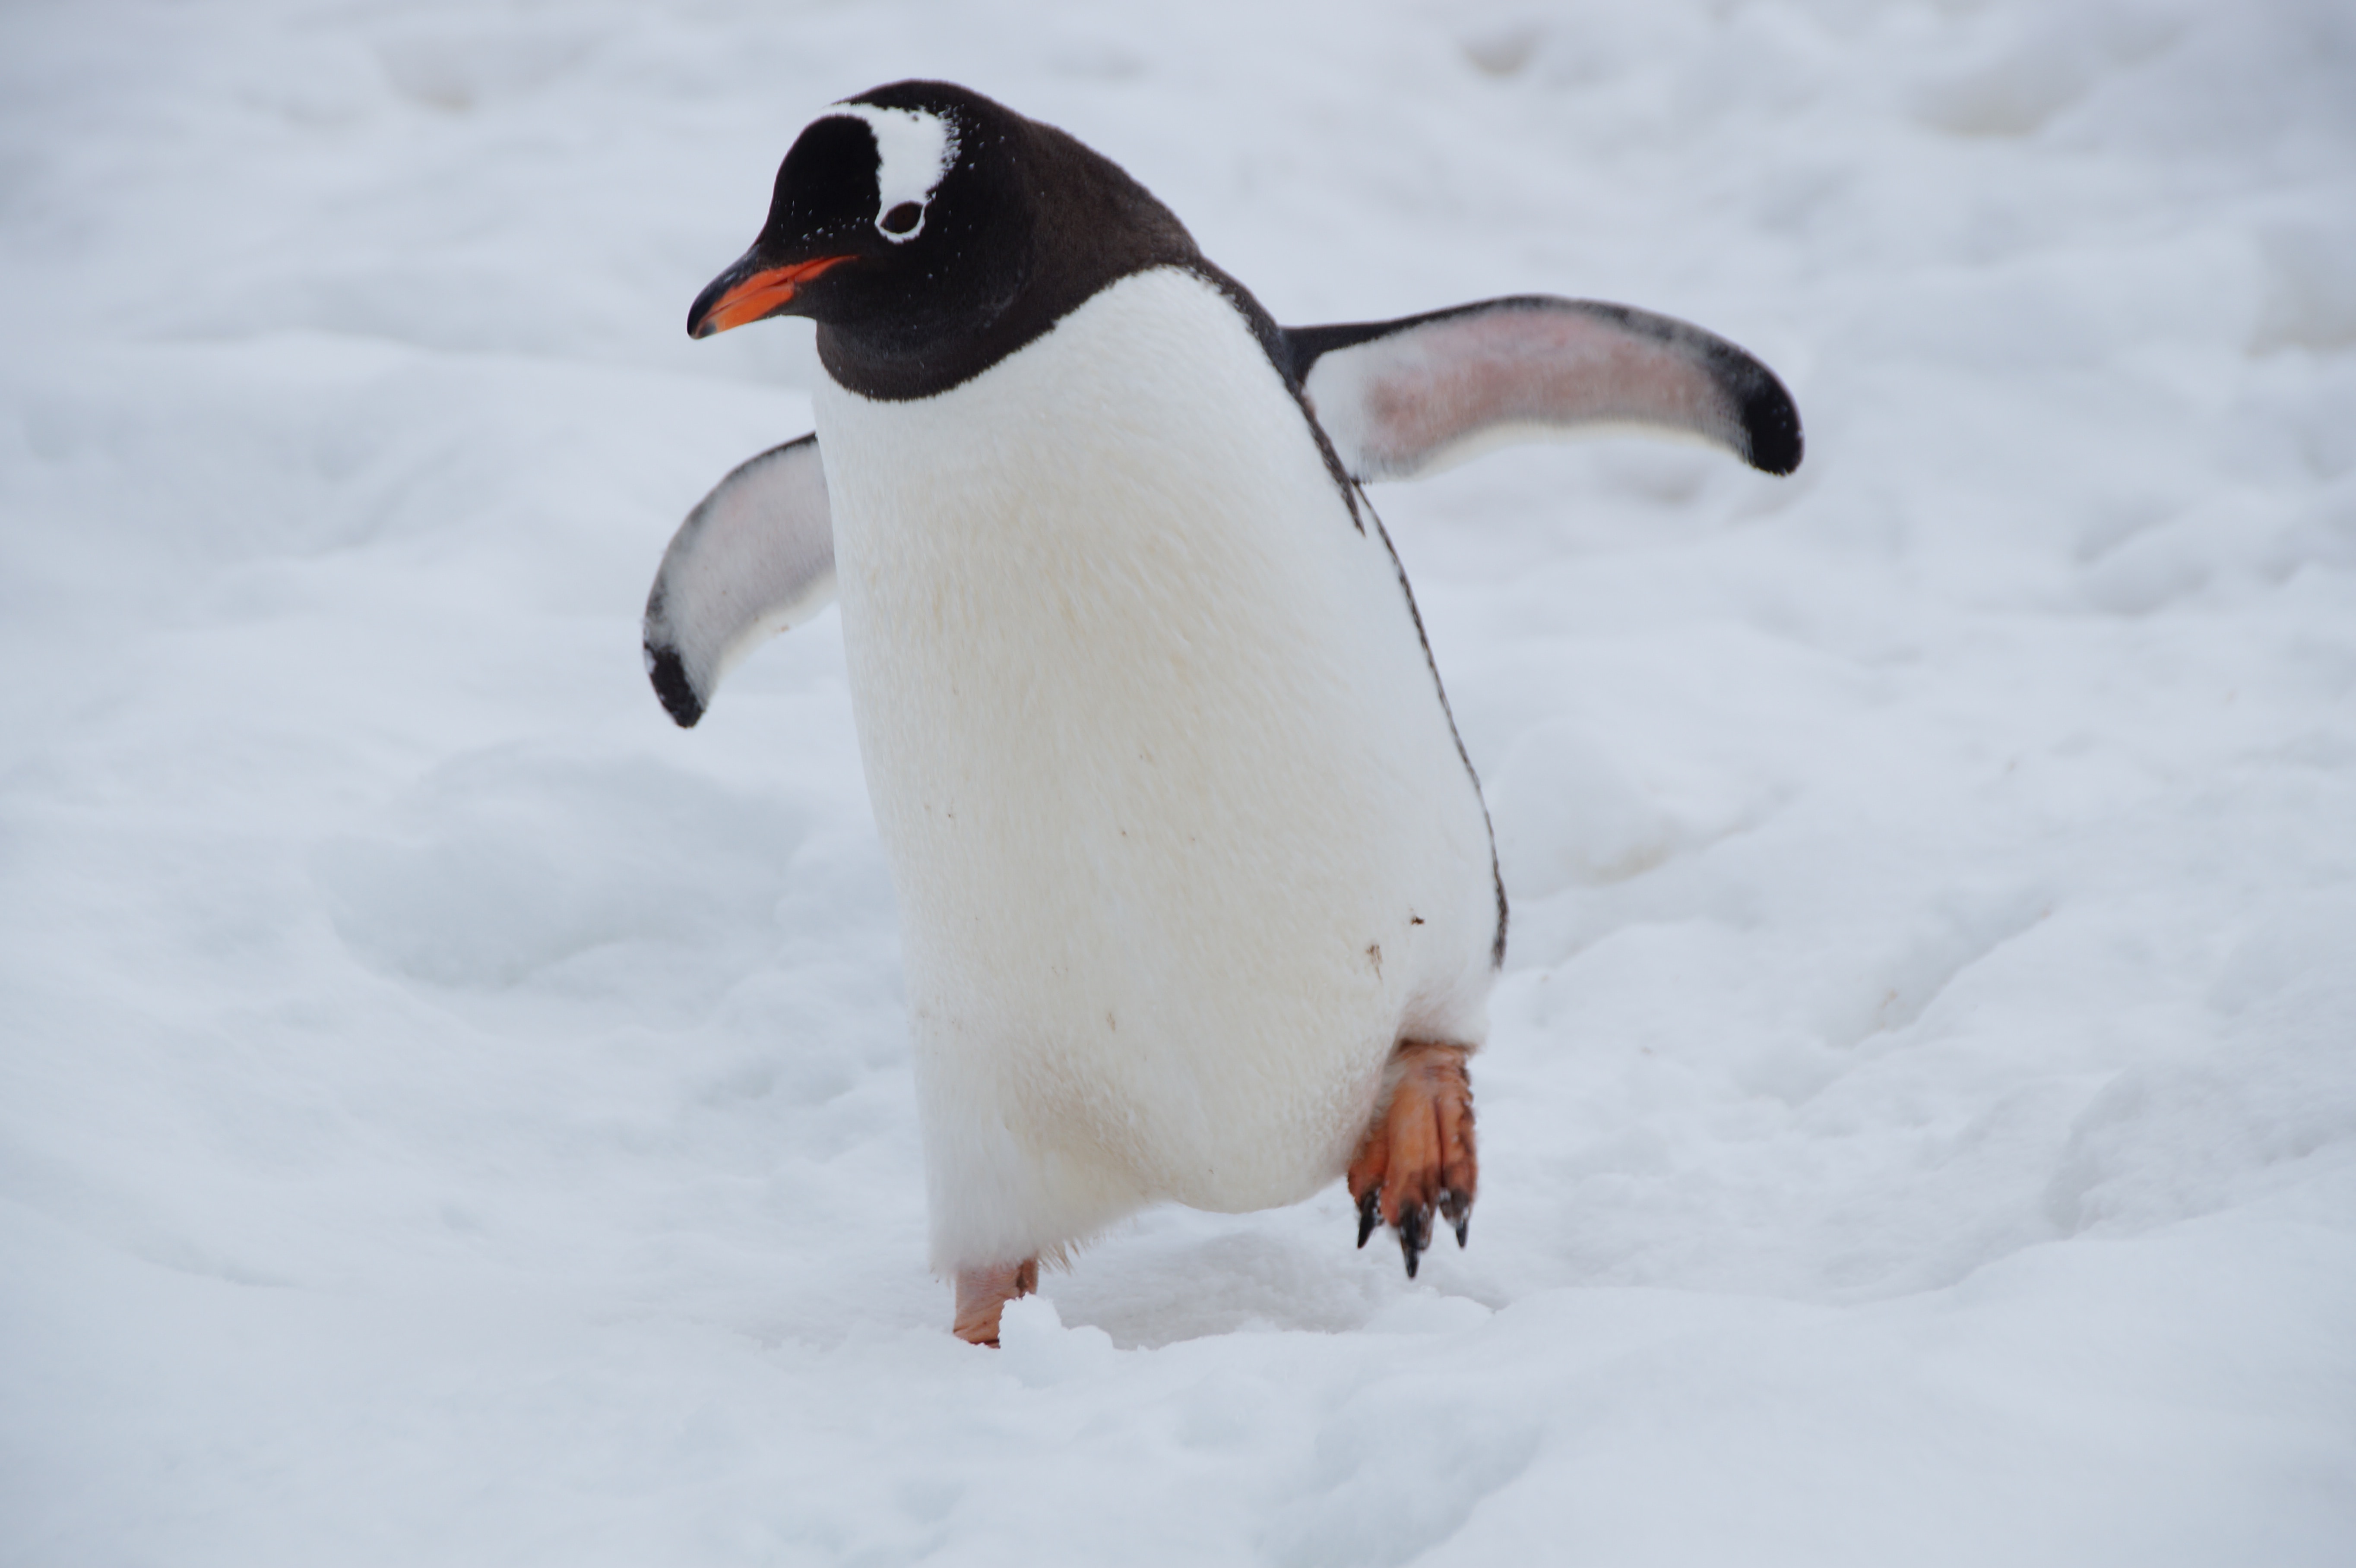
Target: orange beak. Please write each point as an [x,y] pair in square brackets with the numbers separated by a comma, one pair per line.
[761,295]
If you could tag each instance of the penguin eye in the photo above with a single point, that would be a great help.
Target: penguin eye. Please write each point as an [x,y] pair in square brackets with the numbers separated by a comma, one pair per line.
[901,218]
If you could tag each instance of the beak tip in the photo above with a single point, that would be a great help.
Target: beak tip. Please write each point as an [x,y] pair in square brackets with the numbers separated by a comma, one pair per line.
[741,295]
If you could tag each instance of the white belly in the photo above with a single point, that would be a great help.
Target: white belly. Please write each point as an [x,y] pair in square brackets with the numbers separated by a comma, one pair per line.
[1183,842]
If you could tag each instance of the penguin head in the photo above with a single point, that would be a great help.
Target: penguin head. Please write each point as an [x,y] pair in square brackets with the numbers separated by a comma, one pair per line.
[898,218]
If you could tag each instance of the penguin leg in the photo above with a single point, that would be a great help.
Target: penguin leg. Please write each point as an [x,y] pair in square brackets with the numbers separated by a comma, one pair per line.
[982,1294]
[1417,1153]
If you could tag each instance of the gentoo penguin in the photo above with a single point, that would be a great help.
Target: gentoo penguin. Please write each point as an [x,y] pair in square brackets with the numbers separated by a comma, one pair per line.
[1195,882]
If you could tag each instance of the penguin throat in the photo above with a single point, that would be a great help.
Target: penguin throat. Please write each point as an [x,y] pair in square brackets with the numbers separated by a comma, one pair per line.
[896,355]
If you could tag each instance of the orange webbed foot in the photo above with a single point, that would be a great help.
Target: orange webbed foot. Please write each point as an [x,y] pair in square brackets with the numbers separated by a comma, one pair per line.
[983,1295]
[1417,1153]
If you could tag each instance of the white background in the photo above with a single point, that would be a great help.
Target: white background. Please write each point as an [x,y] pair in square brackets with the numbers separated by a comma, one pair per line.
[448,1116]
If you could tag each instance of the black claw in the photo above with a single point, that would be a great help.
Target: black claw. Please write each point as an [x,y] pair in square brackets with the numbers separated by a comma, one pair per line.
[1459,1210]
[1414,1233]
[1366,1210]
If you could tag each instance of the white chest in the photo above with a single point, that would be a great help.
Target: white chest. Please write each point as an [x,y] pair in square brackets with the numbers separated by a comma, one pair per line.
[1180,836]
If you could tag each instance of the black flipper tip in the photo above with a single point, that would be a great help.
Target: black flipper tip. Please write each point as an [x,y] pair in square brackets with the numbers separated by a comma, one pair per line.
[670,677]
[1771,426]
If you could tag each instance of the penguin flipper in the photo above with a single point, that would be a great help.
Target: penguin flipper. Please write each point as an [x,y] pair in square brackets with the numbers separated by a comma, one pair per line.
[754,558]
[1399,398]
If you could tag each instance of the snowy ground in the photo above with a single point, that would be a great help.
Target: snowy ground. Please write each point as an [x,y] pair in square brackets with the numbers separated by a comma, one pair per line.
[448,1116]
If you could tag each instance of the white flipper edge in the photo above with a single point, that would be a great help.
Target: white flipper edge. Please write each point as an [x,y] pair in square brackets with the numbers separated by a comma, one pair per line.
[753,559]
[1405,398]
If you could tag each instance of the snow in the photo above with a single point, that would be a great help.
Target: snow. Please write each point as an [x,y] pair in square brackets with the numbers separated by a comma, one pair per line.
[447,1114]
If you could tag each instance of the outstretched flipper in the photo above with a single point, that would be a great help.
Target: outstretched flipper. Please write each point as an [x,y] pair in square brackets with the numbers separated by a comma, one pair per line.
[1402,398]
[754,558]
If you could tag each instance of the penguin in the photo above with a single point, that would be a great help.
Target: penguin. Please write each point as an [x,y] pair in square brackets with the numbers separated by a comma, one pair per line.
[1198,895]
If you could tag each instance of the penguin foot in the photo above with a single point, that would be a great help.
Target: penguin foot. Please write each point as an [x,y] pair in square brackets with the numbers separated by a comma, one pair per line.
[1417,1154]
[982,1294]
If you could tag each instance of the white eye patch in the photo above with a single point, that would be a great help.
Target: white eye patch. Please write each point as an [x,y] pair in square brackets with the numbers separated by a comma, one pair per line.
[914,152]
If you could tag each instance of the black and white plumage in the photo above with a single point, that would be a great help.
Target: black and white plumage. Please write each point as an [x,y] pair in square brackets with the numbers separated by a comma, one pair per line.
[1184,841]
